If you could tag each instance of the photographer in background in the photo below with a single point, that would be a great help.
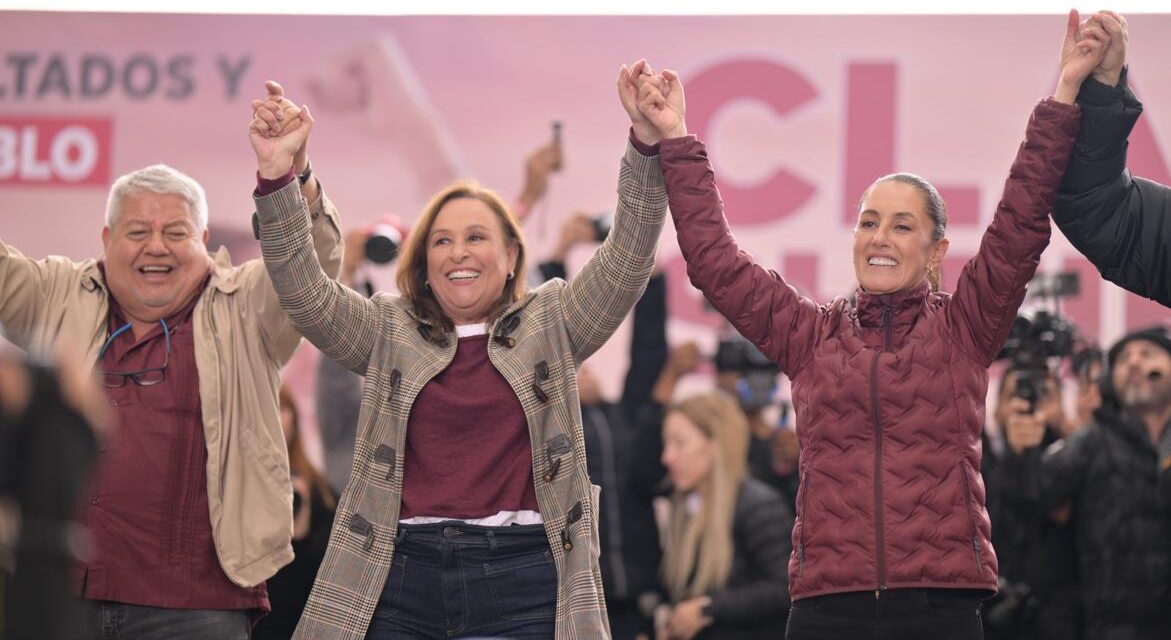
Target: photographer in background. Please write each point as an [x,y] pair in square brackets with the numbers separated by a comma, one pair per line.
[743,371]
[1116,474]
[579,229]
[1038,590]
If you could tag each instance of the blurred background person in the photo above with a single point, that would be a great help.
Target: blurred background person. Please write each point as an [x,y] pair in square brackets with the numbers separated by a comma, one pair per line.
[1037,594]
[313,506]
[749,376]
[47,447]
[1114,475]
[728,534]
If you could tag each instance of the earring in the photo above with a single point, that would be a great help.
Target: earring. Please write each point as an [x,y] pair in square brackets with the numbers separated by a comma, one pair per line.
[427,283]
[511,275]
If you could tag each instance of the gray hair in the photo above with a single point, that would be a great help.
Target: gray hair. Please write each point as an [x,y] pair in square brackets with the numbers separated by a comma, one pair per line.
[161,179]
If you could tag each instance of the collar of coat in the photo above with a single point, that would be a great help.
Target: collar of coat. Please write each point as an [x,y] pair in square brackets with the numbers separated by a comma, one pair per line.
[501,327]
[869,307]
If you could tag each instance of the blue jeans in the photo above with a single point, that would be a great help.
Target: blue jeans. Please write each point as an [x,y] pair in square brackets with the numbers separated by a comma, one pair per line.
[451,580]
[117,621]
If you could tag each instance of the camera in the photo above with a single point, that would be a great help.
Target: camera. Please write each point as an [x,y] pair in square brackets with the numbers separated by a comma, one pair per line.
[602,223]
[758,374]
[1066,284]
[1030,385]
[383,243]
[1032,341]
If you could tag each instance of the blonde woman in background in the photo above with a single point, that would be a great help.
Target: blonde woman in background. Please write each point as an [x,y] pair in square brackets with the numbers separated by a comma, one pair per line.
[728,534]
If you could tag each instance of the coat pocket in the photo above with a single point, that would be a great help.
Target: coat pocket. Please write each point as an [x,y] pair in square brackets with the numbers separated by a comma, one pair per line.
[970,509]
[802,520]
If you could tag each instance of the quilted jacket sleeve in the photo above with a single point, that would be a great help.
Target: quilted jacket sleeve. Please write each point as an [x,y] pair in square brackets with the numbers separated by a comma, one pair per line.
[758,302]
[991,287]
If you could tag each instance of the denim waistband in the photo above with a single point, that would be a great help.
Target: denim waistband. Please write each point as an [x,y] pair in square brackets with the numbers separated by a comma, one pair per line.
[458,534]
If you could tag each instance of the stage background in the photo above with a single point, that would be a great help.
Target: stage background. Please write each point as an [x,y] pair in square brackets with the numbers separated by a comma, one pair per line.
[800,114]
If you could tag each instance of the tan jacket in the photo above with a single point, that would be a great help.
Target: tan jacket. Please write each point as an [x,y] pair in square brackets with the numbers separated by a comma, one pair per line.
[536,344]
[242,338]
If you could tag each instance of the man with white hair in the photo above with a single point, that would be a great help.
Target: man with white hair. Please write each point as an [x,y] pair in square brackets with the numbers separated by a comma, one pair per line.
[190,508]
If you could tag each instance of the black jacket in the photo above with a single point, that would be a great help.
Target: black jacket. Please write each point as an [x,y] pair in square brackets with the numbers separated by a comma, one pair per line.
[1038,596]
[755,602]
[1120,223]
[1110,474]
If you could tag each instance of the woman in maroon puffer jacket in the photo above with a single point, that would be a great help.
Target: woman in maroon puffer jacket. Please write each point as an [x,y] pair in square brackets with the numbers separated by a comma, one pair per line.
[892,538]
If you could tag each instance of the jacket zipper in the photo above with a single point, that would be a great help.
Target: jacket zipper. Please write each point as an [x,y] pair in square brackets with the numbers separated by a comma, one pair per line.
[971,518]
[804,491]
[879,533]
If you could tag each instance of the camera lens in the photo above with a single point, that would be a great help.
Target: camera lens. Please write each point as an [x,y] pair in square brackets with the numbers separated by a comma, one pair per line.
[383,244]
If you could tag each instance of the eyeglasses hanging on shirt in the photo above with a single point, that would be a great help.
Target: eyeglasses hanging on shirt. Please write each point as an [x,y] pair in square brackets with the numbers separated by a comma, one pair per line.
[142,377]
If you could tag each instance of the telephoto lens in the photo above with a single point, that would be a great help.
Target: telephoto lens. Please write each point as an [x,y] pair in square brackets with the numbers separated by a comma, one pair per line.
[383,244]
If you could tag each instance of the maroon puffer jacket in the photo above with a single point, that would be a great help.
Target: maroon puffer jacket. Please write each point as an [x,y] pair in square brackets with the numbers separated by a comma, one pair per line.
[889,394]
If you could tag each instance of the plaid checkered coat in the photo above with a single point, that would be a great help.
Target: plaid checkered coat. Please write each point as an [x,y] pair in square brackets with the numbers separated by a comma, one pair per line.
[536,344]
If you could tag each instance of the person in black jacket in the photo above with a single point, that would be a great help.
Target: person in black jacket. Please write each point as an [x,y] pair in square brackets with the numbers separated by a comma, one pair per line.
[619,455]
[48,444]
[1038,597]
[1116,474]
[725,563]
[1118,221]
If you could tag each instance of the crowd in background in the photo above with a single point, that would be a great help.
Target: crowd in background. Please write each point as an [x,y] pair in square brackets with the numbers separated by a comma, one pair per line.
[700,491]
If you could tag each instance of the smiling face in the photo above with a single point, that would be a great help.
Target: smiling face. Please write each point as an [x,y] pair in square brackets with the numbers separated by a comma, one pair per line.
[156,258]
[893,242]
[469,259]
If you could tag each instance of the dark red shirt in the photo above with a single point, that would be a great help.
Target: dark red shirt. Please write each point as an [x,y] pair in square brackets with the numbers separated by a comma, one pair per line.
[468,453]
[146,507]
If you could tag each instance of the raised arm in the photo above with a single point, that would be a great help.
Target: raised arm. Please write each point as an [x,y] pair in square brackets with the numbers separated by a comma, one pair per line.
[648,346]
[758,302]
[991,287]
[298,240]
[27,288]
[1119,222]
[595,302]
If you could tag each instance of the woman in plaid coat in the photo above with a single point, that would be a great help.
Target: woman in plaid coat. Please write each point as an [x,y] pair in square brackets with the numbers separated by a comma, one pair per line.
[469,511]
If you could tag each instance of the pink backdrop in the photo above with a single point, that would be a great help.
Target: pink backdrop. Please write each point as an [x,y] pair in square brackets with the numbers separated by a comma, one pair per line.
[800,114]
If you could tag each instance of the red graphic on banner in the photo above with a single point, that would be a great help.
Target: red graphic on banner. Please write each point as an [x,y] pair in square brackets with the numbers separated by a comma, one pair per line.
[57,151]
[780,87]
